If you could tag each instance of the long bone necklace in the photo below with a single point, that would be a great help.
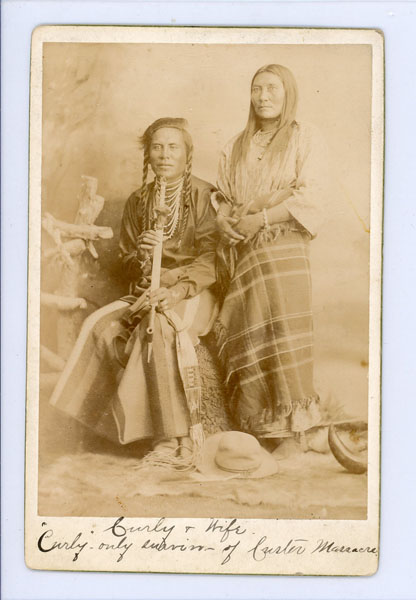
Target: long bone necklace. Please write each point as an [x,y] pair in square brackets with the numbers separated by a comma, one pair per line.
[172,202]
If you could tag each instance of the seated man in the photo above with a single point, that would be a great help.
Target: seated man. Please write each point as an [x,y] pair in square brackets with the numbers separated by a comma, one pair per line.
[121,380]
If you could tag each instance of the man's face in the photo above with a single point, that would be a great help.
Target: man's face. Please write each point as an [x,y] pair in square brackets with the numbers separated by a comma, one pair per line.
[167,153]
[267,95]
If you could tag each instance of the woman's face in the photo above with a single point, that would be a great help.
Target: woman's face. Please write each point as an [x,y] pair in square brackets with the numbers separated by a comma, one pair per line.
[267,95]
[167,153]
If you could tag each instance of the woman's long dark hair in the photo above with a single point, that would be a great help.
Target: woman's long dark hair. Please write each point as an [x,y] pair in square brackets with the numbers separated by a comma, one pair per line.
[284,120]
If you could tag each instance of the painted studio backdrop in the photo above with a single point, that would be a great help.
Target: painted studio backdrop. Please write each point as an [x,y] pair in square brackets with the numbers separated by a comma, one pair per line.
[99,98]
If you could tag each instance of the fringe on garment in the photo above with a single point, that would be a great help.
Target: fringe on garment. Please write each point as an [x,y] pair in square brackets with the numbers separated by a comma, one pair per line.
[301,403]
[305,403]
[267,236]
[189,371]
[171,460]
[267,424]
[191,379]
[197,435]
[166,460]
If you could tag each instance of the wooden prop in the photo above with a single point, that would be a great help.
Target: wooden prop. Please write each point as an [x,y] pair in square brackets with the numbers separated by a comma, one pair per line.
[62,302]
[71,230]
[54,362]
[71,242]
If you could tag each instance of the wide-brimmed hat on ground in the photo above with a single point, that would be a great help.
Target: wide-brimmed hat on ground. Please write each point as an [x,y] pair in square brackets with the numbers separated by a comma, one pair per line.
[232,454]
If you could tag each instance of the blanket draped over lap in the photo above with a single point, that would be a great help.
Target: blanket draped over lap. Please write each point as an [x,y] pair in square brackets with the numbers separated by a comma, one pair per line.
[111,387]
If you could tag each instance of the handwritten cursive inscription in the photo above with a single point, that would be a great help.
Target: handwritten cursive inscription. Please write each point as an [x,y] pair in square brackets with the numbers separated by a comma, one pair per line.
[225,528]
[46,544]
[261,550]
[119,530]
[227,539]
[326,546]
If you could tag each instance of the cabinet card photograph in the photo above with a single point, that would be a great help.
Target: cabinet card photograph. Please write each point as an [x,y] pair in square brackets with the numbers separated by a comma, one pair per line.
[205,236]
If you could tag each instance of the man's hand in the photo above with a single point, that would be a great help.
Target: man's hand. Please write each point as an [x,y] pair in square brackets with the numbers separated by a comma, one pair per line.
[166,298]
[149,239]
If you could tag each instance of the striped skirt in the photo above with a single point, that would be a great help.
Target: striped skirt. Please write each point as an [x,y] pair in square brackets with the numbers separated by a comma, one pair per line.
[265,336]
[111,387]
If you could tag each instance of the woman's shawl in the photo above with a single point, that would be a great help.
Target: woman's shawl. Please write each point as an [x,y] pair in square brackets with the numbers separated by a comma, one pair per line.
[298,177]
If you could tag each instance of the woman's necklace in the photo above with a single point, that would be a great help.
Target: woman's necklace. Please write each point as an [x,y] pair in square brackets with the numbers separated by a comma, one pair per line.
[172,202]
[263,139]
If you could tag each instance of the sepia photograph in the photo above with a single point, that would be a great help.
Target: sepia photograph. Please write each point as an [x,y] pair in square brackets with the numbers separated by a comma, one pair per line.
[204,300]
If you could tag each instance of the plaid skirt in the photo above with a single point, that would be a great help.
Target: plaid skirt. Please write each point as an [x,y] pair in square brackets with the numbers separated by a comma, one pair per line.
[265,335]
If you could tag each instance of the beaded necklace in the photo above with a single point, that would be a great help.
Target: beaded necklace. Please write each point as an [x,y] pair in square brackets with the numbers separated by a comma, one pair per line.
[173,203]
[263,139]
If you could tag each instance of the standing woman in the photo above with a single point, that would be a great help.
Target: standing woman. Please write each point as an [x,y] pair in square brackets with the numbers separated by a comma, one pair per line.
[272,181]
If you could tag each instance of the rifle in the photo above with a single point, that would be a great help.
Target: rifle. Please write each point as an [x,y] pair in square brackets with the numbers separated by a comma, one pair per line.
[161,214]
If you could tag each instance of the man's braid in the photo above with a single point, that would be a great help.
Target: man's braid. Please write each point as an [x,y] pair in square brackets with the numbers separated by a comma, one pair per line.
[186,195]
[144,191]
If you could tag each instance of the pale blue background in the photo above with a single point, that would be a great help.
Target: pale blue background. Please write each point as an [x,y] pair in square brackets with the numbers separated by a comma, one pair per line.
[396,578]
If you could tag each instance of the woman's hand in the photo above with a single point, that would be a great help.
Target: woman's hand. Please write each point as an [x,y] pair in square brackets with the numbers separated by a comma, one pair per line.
[166,298]
[148,239]
[249,225]
[225,226]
